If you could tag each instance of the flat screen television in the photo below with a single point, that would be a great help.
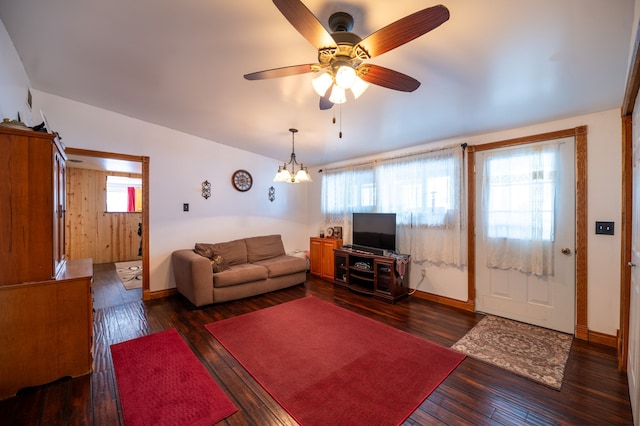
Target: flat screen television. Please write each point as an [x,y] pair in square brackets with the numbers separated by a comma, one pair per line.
[374,231]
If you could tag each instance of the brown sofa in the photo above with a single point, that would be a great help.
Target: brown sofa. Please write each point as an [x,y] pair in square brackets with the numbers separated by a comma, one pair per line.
[214,273]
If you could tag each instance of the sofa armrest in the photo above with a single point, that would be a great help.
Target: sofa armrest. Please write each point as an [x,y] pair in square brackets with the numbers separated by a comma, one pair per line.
[193,275]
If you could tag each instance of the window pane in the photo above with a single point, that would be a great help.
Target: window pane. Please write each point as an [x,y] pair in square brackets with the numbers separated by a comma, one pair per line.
[521,195]
[422,190]
[348,191]
[120,198]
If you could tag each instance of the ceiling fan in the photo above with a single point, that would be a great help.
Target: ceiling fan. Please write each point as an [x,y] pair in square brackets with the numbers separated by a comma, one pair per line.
[342,54]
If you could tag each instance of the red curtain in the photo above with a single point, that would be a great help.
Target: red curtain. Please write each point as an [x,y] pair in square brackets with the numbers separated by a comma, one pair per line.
[131,199]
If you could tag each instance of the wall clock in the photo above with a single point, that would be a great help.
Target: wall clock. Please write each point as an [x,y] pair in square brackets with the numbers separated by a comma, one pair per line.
[242,180]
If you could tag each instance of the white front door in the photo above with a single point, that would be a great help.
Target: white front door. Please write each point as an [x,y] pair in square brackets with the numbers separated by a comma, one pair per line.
[546,299]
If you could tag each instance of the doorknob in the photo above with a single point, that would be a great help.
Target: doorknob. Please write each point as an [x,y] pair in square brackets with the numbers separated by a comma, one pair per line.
[566,250]
[631,264]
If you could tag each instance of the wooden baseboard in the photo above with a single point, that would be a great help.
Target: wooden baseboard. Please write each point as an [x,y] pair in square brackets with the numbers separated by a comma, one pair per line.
[466,306]
[582,333]
[603,339]
[150,295]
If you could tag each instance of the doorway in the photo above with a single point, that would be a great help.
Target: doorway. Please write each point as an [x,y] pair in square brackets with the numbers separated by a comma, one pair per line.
[109,161]
[580,327]
[525,233]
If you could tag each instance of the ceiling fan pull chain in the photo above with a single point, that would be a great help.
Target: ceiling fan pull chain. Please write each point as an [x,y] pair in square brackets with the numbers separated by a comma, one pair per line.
[340,134]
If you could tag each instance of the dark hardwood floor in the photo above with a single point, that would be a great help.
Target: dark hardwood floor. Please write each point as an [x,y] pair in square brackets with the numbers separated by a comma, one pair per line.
[593,392]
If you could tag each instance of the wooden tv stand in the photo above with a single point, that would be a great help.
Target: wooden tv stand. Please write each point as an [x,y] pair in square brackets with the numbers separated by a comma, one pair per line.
[384,277]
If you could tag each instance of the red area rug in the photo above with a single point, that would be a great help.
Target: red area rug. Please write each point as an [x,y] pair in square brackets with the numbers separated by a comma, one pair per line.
[161,382]
[327,366]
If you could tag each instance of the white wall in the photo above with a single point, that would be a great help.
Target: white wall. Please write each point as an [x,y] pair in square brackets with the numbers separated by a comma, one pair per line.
[604,203]
[179,163]
[13,80]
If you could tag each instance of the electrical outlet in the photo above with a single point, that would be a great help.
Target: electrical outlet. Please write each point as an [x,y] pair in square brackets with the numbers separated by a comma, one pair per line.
[185,207]
[604,228]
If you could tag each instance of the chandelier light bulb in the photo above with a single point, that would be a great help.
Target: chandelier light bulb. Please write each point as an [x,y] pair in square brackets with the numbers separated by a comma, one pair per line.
[303,175]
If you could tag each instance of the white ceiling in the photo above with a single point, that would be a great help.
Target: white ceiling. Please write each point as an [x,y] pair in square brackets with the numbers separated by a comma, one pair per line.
[496,64]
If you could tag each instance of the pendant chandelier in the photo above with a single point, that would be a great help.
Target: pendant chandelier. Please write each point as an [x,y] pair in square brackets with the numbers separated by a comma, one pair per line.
[292,176]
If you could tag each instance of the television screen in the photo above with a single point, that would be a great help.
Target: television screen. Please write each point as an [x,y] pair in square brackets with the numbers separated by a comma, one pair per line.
[376,230]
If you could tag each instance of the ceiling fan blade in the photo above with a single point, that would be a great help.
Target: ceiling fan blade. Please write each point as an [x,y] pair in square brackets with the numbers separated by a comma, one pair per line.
[388,78]
[280,72]
[325,103]
[305,22]
[404,30]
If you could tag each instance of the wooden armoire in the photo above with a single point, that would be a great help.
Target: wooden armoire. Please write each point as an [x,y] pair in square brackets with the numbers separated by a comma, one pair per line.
[46,317]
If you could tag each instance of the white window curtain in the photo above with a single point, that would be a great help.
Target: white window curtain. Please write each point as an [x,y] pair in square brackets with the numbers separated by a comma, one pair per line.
[519,192]
[424,190]
[345,191]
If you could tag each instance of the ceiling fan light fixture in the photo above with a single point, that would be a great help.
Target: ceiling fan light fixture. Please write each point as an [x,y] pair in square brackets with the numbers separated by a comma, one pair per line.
[322,83]
[342,55]
[345,76]
[338,95]
[359,87]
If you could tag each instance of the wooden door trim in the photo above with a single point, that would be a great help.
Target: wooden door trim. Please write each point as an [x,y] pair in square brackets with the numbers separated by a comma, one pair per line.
[580,134]
[625,245]
[146,294]
[628,105]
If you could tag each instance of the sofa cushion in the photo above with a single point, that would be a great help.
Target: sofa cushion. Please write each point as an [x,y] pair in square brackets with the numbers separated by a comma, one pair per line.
[264,247]
[219,264]
[283,265]
[234,252]
[239,274]
[204,249]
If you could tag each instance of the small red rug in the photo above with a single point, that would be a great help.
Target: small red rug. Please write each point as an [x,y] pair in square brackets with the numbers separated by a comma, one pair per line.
[327,366]
[161,382]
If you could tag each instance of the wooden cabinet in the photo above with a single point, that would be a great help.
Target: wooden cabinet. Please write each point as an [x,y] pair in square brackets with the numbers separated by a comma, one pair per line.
[32,190]
[46,329]
[46,313]
[384,277]
[321,253]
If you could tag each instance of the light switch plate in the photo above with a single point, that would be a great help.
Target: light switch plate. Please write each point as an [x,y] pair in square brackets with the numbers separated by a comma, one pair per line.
[604,228]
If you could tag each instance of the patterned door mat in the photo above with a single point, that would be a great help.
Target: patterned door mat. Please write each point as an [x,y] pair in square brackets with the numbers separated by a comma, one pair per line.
[533,352]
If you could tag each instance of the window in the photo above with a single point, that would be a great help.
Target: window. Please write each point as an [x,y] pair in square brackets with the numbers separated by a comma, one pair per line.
[124,194]
[423,190]
[518,208]
[347,191]
[521,194]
